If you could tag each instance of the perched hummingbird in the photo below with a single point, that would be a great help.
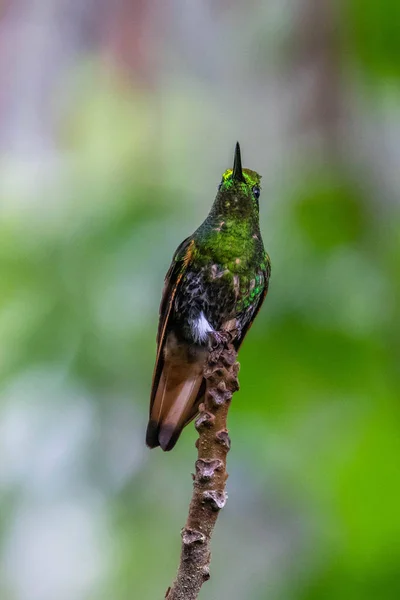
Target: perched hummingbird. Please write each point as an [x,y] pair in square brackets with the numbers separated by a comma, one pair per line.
[217,281]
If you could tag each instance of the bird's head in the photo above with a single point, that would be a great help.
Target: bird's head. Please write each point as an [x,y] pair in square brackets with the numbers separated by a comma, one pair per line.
[239,190]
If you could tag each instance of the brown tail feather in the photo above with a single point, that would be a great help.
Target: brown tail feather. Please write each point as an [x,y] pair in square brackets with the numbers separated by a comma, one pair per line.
[153,428]
[175,399]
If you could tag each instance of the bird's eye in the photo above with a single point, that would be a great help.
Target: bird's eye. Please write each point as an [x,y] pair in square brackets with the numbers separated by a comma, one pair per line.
[256,192]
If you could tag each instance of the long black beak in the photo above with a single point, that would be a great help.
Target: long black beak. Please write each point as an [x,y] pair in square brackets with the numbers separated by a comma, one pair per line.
[237,165]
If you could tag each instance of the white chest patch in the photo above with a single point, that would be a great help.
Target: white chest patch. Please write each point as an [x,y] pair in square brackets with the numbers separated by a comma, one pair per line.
[201,328]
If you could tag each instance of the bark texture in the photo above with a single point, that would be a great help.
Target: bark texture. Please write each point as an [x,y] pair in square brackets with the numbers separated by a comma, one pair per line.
[209,495]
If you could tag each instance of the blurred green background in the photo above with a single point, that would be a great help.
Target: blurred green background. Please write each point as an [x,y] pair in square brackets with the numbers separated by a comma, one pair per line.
[117,120]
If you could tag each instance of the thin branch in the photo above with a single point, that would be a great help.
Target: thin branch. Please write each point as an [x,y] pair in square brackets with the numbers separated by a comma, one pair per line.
[209,495]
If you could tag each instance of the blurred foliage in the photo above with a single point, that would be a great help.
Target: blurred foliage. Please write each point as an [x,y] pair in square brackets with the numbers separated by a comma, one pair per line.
[372,35]
[314,471]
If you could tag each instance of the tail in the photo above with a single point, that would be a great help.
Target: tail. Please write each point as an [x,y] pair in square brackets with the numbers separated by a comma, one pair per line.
[175,394]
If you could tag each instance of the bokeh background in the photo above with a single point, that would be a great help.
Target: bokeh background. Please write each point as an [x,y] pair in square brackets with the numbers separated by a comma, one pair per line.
[116,122]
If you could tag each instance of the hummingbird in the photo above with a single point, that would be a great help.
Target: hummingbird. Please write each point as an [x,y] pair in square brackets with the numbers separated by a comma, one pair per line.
[217,281]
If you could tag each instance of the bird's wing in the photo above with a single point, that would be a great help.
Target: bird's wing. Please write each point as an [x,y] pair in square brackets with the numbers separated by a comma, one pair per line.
[173,278]
[246,318]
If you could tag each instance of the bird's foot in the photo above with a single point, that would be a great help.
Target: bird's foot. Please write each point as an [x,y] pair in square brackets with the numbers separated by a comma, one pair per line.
[220,338]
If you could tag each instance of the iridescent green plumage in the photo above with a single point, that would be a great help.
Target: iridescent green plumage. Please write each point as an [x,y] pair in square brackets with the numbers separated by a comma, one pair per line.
[217,281]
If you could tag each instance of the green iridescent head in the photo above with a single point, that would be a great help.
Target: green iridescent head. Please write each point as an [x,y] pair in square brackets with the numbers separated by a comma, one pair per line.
[241,184]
